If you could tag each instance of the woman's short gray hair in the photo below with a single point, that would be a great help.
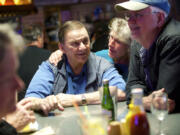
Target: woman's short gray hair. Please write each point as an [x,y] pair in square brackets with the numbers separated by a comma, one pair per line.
[120,27]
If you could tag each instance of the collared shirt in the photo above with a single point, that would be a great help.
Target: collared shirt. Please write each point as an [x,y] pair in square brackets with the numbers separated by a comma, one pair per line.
[42,82]
[76,83]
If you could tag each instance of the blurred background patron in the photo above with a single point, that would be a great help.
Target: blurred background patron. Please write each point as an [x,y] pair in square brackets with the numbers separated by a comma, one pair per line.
[33,55]
[13,117]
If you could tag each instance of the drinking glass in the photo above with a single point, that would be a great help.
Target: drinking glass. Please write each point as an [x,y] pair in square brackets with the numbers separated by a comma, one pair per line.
[159,108]
[94,125]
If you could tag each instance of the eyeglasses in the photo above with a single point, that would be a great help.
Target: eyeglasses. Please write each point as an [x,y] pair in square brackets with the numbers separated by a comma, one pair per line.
[136,16]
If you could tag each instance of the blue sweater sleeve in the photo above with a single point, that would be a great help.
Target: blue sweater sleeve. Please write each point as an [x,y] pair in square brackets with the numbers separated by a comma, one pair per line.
[42,83]
[115,79]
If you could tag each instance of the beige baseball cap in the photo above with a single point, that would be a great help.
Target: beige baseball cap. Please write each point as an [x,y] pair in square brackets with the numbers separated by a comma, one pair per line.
[136,5]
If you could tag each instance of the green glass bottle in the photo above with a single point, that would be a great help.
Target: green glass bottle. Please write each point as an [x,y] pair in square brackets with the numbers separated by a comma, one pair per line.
[107,102]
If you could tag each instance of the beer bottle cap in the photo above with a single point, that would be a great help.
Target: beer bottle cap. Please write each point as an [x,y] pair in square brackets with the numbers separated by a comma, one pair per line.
[105,81]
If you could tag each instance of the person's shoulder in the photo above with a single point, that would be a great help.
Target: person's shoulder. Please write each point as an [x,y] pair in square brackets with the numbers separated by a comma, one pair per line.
[169,39]
[35,48]
[171,28]
[98,64]
[105,51]
[45,51]
[98,61]
[95,57]
[170,35]
[104,54]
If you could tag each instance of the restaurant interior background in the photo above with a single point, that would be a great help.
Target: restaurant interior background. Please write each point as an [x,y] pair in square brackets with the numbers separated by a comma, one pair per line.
[50,14]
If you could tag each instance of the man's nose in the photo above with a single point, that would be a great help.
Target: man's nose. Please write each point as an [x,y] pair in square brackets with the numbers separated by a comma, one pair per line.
[111,42]
[82,46]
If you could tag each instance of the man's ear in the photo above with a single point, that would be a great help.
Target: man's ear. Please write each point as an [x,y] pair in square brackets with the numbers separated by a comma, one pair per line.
[61,47]
[161,19]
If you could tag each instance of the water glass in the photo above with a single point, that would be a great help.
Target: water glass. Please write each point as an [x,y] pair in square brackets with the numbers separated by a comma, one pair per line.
[159,108]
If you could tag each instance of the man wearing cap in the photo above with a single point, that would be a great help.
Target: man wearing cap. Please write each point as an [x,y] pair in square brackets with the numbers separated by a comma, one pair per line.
[155,51]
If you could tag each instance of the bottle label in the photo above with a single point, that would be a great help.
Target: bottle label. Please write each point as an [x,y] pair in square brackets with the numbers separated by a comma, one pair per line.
[138,101]
[107,113]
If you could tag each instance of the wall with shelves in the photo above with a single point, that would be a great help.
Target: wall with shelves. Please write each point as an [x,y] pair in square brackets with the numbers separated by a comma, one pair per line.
[52,16]
[52,21]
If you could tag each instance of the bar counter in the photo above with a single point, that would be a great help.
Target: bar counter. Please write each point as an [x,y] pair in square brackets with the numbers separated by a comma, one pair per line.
[67,122]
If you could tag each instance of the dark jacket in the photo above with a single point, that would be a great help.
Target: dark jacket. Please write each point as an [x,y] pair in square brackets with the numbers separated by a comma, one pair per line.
[31,58]
[163,64]
[6,129]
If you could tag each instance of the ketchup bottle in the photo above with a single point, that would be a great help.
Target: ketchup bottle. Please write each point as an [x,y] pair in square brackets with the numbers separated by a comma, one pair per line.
[136,120]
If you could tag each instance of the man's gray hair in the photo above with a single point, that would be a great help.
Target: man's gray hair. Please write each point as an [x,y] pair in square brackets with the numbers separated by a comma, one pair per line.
[31,33]
[68,26]
[158,10]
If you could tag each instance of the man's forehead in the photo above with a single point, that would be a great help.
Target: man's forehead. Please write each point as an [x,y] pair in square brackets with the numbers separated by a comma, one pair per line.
[75,30]
[78,39]
[76,35]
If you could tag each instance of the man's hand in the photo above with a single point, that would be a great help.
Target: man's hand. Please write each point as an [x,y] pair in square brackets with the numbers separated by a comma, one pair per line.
[55,57]
[148,99]
[46,105]
[51,103]
[22,116]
